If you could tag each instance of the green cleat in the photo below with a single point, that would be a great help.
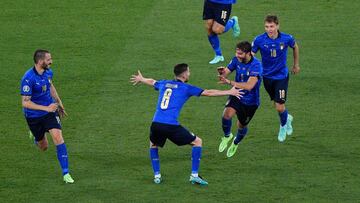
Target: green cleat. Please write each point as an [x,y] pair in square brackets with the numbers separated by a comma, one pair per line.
[198,180]
[224,142]
[289,128]
[282,133]
[68,178]
[232,150]
[31,136]
[217,59]
[236,27]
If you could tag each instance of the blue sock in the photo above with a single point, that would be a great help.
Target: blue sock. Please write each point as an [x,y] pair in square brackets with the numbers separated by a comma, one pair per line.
[63,158]
[195,160]
[155,162]
[226,126]
[215,44]
[283,117]
[229,25]
[240,135]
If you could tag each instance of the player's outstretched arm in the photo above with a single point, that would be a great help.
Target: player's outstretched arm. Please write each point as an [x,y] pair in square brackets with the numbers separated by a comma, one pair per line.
[242,85]
[213,93]
[27,103]
[136,79]
[296,66]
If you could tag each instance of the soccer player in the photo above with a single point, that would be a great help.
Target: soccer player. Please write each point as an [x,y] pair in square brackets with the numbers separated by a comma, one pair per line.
[273,46]
[42,107]
[216,14]
[248,77]
[172,96]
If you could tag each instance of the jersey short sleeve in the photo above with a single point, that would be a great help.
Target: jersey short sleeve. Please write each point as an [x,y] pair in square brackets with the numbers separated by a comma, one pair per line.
[255,45]
[158,84]
[232,65]
[291,41]
[255,70]
[50,75]
[194,91]
[26,86]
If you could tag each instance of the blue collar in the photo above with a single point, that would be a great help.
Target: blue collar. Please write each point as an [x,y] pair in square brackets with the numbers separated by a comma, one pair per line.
[35,71]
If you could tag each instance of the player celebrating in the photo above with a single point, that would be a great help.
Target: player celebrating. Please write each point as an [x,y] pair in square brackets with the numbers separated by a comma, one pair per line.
[216,14]
[172,96]
[273,46]
[42,106]
[248,77]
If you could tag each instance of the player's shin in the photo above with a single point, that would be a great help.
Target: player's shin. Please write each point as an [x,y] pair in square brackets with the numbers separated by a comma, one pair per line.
[226,126]
[230,23]
[155,162]
[283,117]
[215,44]
[63,158]
[240,135]
[195,160]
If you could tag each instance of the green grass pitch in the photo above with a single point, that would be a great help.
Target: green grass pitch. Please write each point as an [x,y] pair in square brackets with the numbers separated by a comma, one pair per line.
[97,45]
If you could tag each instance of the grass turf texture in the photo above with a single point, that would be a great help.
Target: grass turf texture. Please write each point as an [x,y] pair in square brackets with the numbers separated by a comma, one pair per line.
[96,46]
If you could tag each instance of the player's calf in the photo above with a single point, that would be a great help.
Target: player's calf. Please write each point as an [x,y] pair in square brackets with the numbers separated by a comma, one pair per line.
[42,144]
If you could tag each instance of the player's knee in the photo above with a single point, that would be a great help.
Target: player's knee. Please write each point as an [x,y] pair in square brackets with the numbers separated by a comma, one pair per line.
[240,125]
[280,107]
[227,115]
[152,145]
[208,30]
[58,140]
[198,142]
[218,30]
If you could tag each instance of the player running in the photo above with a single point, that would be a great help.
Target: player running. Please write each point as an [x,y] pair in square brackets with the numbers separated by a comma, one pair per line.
[42,107]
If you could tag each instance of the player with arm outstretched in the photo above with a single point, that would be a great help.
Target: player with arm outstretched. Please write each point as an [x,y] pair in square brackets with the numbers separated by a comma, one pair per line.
[173,94]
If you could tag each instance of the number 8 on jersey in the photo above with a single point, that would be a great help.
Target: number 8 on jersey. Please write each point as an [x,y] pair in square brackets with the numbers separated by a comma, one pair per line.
[166,99]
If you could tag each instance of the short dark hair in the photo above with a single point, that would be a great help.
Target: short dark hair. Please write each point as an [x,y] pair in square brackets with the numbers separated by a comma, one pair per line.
[40,54]
[180,68]
[244,46]
[271,18]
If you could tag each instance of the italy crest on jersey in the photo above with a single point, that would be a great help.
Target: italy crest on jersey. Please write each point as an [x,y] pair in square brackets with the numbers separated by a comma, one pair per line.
[282,45]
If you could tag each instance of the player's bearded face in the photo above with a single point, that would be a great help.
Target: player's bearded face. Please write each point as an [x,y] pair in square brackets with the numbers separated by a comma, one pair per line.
[46,62]
[240,55]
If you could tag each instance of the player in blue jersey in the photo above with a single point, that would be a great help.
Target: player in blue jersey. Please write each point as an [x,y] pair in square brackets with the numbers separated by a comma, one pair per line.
[216,14]
[42,107]
[172,96]
[248,77]
[273,46]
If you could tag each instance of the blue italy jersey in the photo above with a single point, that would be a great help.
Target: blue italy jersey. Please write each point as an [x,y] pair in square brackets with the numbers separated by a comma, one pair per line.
[274,54]
[172,96]
[38,87]
[243,72]
[223,1]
